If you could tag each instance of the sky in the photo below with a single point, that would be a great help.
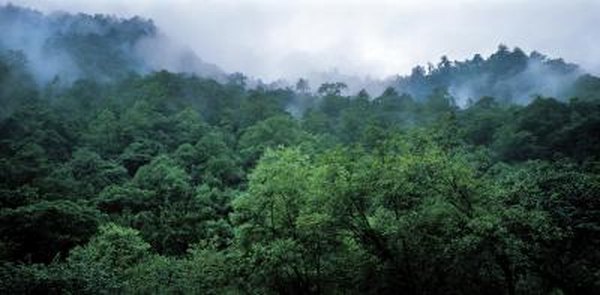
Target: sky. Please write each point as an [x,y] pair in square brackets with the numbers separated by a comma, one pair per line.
[375,38]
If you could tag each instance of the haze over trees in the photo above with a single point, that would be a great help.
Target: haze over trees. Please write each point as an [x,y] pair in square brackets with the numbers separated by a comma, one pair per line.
[469,177]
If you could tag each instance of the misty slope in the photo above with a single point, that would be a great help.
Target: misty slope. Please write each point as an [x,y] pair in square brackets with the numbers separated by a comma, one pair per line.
[105,48]
[512,76]
[74,46]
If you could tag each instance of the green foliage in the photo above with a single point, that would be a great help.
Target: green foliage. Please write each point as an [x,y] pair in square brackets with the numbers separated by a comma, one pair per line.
[42,231]
[275,196]
[279,131]
[16,83]
[203,187]
[567,197]
[163,176]
[139,153]
[93,173]
[214,161]
[104,133]
[58,278]
[118,199]
[116,247]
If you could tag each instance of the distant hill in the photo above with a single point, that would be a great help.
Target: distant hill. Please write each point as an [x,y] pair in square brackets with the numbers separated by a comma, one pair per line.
[62,47]
[509,75]
[73,46]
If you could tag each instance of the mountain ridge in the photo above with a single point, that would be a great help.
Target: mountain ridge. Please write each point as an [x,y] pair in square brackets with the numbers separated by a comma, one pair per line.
[103,47]
[65,47]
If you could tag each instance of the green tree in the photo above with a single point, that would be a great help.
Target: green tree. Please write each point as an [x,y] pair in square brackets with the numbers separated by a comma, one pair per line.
[165,177]
[117,247]
[274,132]
[42,231]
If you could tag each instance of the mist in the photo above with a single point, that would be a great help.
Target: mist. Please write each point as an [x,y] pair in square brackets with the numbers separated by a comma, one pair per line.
[270,40]
[523,78]
[276,44]
[63,47]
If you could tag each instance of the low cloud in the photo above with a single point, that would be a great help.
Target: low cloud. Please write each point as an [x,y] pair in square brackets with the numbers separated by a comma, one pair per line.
[290,39]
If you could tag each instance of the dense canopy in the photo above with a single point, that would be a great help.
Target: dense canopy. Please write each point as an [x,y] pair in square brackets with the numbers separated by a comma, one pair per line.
[166,182]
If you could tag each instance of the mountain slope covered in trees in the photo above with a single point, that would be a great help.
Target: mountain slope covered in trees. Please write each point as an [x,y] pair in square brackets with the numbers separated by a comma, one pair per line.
[513,76]
[167,182]
[67,47]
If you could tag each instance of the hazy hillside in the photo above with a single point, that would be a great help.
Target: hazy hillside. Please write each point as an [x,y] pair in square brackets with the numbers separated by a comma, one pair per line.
[512,76]
[101,47]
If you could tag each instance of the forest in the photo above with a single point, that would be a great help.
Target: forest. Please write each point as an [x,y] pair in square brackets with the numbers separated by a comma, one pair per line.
[468,177]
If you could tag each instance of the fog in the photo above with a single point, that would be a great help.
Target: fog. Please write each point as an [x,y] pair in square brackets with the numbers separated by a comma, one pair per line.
[71,46]
[288,39]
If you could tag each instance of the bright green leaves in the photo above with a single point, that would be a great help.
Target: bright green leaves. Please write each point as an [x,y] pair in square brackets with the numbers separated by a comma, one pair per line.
[116,247]
[277,193]
[416,208]
[110,256]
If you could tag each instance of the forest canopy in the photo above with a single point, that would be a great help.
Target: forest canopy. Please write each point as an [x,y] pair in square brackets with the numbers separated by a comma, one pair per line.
[471,177]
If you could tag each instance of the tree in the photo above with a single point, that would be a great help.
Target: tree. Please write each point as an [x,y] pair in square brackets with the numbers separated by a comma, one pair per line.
[534,132]
[93,173]
[117,247]
[140,153]
[43,231]
[275,197]
[189,127]
[103,134]
[215,161]
[271,221]
[165,177]
[302,86]
[331,89]
[271,133]
[566,197]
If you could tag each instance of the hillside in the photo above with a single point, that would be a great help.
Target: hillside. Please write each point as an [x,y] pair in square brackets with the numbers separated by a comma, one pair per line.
[120,177]
[512,76]
[100,47]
